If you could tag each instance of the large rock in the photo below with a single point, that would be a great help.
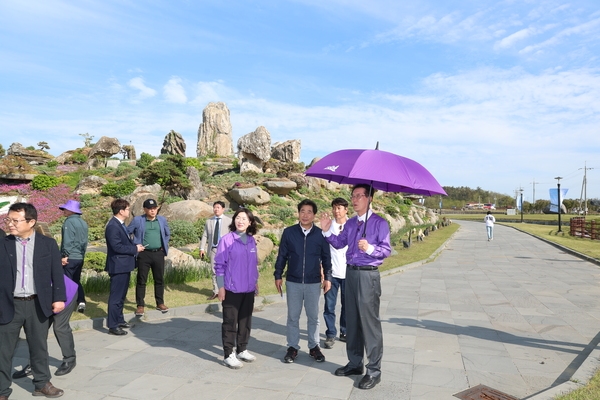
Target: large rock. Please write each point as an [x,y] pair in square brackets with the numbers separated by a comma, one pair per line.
[254,150]
[187,210]
[264,246]
[214,133]
[90,185]
[105,147]
[178,259]
[173,144]
[288,151]
[31,156]
[197,192]
[249,196]
[317,183]
[141,194]
[281,187]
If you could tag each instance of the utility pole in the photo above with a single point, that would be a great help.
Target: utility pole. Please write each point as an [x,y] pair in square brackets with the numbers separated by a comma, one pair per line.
[558,178]
[584,188]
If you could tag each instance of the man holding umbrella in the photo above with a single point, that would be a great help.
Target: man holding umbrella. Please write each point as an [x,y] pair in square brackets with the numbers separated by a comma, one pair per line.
[367,236]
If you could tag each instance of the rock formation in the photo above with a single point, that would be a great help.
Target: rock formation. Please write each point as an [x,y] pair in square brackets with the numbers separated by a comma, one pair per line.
[105,147]
[249,196]
[186,210]
[280,186]
[128,152]
[31,156]
[214,133]
[288,151]
[173,144]
[90,185]
[197,192]
[254,150]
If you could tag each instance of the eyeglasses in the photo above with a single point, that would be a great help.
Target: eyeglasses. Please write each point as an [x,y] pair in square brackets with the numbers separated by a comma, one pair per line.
[357,196]
[14,221]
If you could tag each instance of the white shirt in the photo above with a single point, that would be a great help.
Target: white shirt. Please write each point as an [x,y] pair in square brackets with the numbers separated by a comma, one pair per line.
[338,256]
[489,220]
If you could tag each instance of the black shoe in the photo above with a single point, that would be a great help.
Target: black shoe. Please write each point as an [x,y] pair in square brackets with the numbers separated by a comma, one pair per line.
[342,337]
[125,325]
[26,371]
[65,368]
[348,370]
[117,331]
[291,355]
[315,353]
[368,382]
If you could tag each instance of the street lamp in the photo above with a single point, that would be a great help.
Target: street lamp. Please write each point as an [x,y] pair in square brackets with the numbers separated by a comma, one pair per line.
[521,190]
[558,178]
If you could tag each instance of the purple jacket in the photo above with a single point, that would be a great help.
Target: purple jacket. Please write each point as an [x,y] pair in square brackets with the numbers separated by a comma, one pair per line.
[378,235]
[237,263]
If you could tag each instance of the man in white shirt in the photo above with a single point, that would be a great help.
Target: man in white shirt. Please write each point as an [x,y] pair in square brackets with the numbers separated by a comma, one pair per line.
[489,225]
[339,210]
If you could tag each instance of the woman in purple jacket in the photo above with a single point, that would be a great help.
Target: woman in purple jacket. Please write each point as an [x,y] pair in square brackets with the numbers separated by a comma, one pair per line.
[236,269]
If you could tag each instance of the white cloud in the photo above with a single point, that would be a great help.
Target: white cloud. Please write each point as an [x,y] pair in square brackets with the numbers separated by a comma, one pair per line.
[591,28]
[144,91]
[174,91]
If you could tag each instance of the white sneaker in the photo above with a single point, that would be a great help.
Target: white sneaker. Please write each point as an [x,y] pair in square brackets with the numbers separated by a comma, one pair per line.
[232,362]
[246,356]
[81,307]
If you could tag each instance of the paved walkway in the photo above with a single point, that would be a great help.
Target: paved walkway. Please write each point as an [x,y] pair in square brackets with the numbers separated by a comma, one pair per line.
[515,314]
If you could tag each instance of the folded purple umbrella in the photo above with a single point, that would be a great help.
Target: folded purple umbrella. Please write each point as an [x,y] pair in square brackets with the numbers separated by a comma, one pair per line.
[382,170]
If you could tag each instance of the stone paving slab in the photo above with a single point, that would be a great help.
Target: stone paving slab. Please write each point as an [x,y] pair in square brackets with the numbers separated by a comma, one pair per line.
[514,314]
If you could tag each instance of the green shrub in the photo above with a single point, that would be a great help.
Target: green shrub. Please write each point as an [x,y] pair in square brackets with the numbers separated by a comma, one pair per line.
[44,182]
[95,233]
[125,169]
[272,237]
[118,189]
[78,158]
[52,164]
[193,162]
[182,233]
[172,199]
[391,210]
[145,160]
[95,260]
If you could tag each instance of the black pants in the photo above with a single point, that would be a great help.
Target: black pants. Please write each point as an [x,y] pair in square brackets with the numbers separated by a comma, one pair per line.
[29,315]
[73,271]
[119,283]
[363,325]
[237,321]
[146,261]
[63,332]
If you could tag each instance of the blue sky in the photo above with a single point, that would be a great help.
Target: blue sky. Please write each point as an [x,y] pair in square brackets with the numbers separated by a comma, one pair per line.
[495,94]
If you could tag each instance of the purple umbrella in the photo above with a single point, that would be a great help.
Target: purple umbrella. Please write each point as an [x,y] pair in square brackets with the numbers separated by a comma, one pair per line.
[380,169]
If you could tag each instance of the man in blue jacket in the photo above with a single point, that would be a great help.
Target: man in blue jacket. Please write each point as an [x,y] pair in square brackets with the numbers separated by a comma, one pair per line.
[151,231]
[120,261]
[304,249]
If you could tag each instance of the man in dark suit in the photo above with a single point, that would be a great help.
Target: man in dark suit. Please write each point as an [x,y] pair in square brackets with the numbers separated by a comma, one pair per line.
[120,261]
[31,289]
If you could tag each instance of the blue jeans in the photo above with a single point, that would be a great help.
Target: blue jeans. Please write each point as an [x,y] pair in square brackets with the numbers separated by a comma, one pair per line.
[299,294]
[337,284]
[490,232]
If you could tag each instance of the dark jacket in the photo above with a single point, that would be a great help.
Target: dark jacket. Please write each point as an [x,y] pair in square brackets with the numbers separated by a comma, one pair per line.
[47,275]
[120,249]
[137,227]
[304,255]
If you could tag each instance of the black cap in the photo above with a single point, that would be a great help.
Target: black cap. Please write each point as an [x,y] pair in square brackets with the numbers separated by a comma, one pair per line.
[150,203]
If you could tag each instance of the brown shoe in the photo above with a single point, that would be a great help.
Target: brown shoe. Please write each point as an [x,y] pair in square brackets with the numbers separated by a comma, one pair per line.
[49,391]
[140,311]
[214,296]
[162,308]
[3,397]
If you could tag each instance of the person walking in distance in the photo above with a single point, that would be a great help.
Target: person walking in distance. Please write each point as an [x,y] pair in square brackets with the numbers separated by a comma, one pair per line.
[367,236]
[214,228]
[151,231]
[73,246]
[339,210]
[489,225]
